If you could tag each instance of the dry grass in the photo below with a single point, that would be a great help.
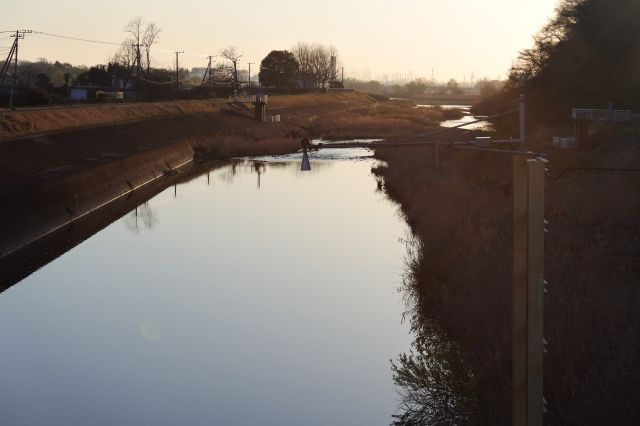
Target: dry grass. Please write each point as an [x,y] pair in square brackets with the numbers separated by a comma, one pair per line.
[26,122]
[317,99]
[462,215]
[378,120]
[260,141]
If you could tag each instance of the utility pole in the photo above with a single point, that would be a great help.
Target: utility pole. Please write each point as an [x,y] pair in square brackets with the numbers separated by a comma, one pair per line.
[13,55]
[210,70]
[207,74]
[528,285]
[14,86]
[177,71]
[250,73]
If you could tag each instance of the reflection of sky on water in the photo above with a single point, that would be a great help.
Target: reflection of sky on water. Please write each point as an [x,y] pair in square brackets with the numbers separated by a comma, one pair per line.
[468,117]
[236,305]
[482,125]
[325,154]
[462,107]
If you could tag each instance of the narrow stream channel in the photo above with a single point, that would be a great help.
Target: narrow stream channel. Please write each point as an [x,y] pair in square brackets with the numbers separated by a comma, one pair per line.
[466,118]
[254,294]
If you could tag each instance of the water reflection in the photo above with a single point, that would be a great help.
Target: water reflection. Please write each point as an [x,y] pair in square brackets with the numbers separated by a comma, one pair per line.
[448,107]
[434,382]
[259,168]
[141,217]
[275,303]
[466,118]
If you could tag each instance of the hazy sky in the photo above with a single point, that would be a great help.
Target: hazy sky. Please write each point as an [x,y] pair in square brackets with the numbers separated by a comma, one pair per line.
[455,38]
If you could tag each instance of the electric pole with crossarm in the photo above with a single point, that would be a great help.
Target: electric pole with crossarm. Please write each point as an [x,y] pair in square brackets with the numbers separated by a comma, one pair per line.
[13,57]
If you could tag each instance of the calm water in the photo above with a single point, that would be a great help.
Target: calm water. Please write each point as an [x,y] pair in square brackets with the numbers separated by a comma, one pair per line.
[257,295]
[466,118]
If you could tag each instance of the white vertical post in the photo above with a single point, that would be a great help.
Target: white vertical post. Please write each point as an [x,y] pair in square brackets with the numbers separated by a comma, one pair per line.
[519,291]
[535,292]
[528,291]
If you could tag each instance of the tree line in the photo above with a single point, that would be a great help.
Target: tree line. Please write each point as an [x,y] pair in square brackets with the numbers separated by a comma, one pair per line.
[587,55]
[306,65]
[131,69]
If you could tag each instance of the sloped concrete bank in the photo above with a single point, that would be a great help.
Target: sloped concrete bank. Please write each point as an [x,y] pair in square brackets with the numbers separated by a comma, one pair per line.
[40,208]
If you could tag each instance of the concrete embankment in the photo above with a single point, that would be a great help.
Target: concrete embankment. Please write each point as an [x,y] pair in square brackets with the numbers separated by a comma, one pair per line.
[41,209]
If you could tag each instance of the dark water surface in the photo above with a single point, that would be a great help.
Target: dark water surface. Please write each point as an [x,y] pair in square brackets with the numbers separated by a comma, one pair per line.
[224,304]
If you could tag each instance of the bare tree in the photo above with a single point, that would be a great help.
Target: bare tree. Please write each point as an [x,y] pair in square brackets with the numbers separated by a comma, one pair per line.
[126,54]
[149,37]
[302,52]
[142,36]
[315,63]
[134,28]
[231,54]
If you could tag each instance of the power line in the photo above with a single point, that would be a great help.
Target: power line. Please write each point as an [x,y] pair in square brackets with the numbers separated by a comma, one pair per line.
[157,82]
[109,43]
[77,38]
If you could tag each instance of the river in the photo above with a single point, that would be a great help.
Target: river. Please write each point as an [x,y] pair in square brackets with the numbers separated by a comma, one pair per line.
[252,294]
[467,117]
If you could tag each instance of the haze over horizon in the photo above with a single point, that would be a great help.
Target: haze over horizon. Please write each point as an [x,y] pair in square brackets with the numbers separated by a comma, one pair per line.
[381,37]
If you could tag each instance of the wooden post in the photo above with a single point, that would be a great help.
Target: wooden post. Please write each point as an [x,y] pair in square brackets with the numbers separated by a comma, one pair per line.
[535,302]
[437,156]
[261,108]
[519,296]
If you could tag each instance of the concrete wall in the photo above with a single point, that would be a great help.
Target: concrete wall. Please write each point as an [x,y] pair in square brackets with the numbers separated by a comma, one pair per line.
[40,208]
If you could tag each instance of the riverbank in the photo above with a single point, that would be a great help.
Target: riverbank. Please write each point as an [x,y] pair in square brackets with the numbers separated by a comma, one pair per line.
[65,140]
[461,277]
[51,181]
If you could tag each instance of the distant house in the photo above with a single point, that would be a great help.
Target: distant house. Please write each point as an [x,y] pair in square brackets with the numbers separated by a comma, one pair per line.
[92,93]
